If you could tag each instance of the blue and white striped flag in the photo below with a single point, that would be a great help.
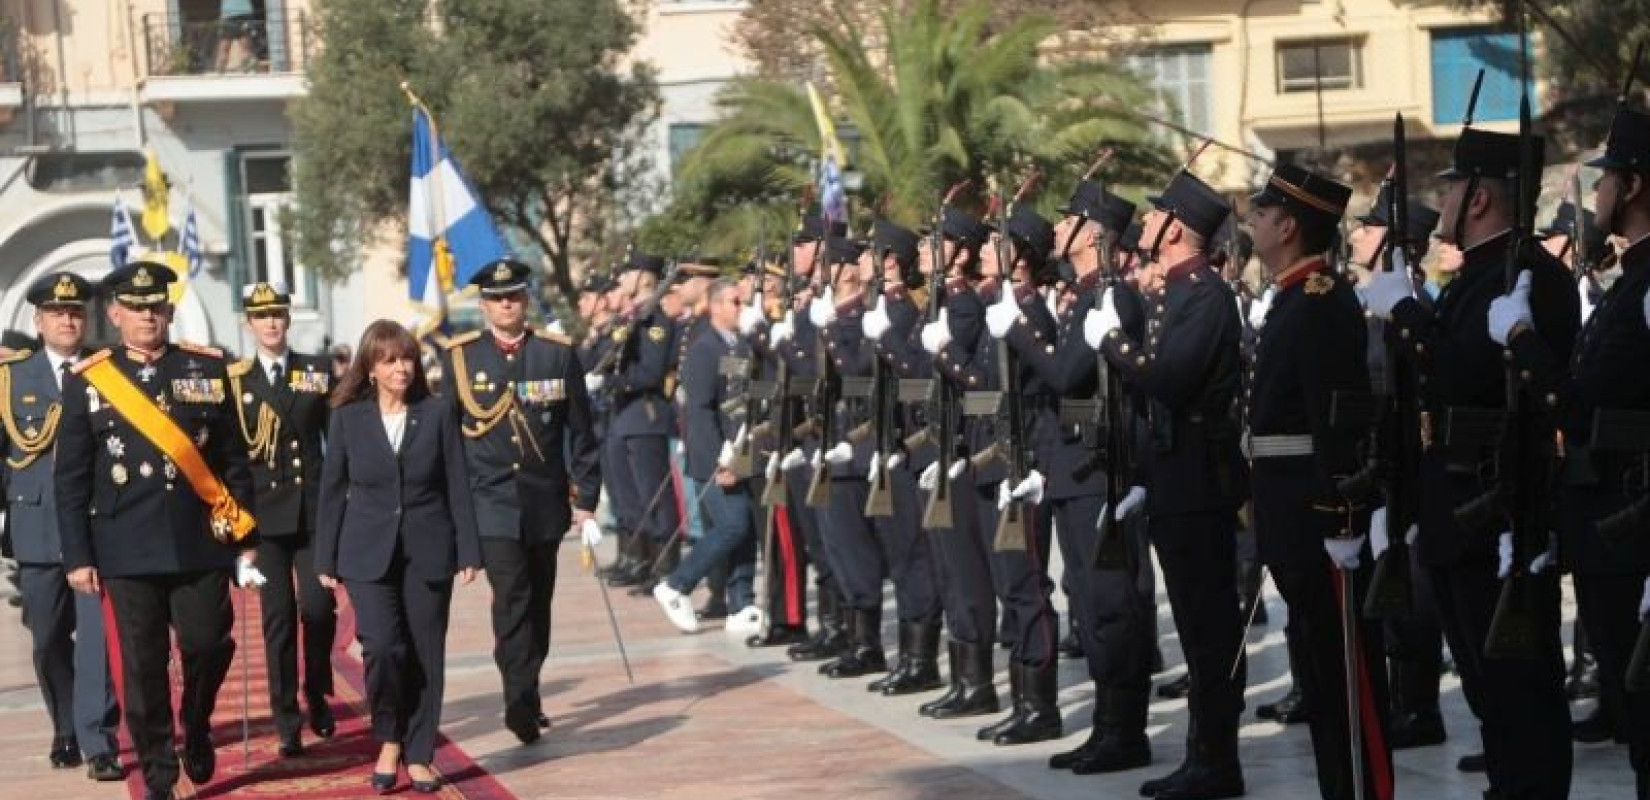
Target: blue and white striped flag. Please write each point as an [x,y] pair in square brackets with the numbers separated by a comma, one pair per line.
[450,236]
[192,244]
[121,235]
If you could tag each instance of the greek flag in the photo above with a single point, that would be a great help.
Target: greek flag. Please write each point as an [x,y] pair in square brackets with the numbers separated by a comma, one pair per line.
[450,237]
[833,196]
[192,244]
[121,236]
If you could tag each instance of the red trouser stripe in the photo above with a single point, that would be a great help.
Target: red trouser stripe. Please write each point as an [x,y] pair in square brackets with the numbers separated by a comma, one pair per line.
[1376,756]
[792,576]
[111,641]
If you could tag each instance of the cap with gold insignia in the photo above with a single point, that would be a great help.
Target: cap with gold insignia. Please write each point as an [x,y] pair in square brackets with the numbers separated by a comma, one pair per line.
[142,282]
[643,262]
[700,266]
[60,289]
[504,276]
[265,296]
[1308,196]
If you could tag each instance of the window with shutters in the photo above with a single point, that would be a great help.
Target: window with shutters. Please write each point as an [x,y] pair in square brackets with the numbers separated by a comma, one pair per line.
[1327,64]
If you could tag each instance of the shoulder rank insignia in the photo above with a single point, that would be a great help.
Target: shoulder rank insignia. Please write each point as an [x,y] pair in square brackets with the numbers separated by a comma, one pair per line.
[558,338]
[656,333]
[461,339]
[15,356]
[240,369]
[621,332]
[200,349]
[87,362]
[1319,283]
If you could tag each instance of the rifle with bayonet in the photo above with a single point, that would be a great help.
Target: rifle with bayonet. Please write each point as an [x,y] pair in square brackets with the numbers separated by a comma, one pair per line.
[1514,627]
[757,390]
[1395,446]
[941,431]
[879,501]
[822,421]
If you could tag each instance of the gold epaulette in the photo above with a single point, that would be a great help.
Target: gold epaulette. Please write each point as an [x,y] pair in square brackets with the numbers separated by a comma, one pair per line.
[92,359]
[558,338]
[461,339]
[200,349]
[15,356]
[240,369]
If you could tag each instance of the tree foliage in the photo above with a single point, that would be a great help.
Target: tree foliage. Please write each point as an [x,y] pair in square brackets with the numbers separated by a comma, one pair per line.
[928,95]
[530,96]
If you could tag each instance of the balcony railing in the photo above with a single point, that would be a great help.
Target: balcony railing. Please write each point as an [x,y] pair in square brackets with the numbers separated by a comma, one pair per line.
[277,43]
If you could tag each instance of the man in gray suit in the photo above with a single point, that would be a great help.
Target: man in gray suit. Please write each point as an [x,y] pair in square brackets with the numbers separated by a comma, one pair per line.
[70,659]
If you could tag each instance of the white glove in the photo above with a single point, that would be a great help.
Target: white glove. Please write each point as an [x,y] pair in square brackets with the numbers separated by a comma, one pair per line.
[681,447]
[793,459]
[957,468]
[1386,289]
[1051,299]
[1378,542]
[842,453]
[871,469]
[937,334]
[895,460]
[593,382]
[1004,496]
[999,318]
[739,436]
[1504,550]
[1344,552]
[1261,306]
[822,311]
[590,533]
[875,323]
[1030,490]
[724,459]
[1644,599]
[782,330]
[750,317]
[771,470]
[816,460]
[1587,305]
[1101,321]
[1510,309]
[1547,558]
[1131,501]
[929,478]
[248,576]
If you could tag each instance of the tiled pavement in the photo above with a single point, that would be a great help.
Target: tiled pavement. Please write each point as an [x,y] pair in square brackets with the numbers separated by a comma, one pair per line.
[709,719]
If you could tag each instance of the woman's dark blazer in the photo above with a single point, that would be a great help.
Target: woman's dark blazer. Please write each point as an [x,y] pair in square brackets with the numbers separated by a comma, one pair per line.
[371,498]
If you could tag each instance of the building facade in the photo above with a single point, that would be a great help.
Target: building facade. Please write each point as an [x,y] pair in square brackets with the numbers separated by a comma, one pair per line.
[90,87]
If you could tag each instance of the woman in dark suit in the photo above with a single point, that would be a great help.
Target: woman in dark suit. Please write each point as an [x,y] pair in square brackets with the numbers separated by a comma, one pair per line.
[395,524]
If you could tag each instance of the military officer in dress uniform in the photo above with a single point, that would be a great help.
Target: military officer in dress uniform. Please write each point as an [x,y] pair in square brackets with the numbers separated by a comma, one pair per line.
[1188,369]
[1520,700]
[954,340]
[1310,349]
[1414,641]
[643,420]
[1109,616]
[282,401]
[71,661]
[1604,547]
[532,454]
[889,329]
[155,519]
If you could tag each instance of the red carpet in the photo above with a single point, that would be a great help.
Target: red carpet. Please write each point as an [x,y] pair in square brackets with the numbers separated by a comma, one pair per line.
[329,768]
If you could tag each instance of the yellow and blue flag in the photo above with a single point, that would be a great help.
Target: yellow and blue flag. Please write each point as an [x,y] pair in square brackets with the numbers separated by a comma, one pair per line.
[450,235]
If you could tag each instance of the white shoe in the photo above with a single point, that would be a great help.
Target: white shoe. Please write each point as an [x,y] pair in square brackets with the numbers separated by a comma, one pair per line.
[746,622]
[678,607]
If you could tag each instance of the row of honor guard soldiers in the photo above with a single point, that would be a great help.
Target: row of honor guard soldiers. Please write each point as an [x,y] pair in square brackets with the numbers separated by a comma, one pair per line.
[1279,405]
[131,478]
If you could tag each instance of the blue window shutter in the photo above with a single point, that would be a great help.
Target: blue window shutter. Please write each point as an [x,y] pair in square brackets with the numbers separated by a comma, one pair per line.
[1457,55]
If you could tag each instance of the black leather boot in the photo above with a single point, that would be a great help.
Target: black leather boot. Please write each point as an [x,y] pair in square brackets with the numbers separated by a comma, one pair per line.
[641,562]
[1602,725]
[1072,645]
[621,564]
[1176,688]
[866,656]
[829,641]
[659,567]
[1120,717]
[1211,771]
[922,669]
[717,582]
[1016,705]
[779,636]
[901,663]
[1289,709]
[1416,721]
[953,652]
[1039,718]
[979,692]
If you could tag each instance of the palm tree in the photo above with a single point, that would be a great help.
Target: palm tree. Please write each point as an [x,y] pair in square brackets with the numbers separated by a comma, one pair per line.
[941,98]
